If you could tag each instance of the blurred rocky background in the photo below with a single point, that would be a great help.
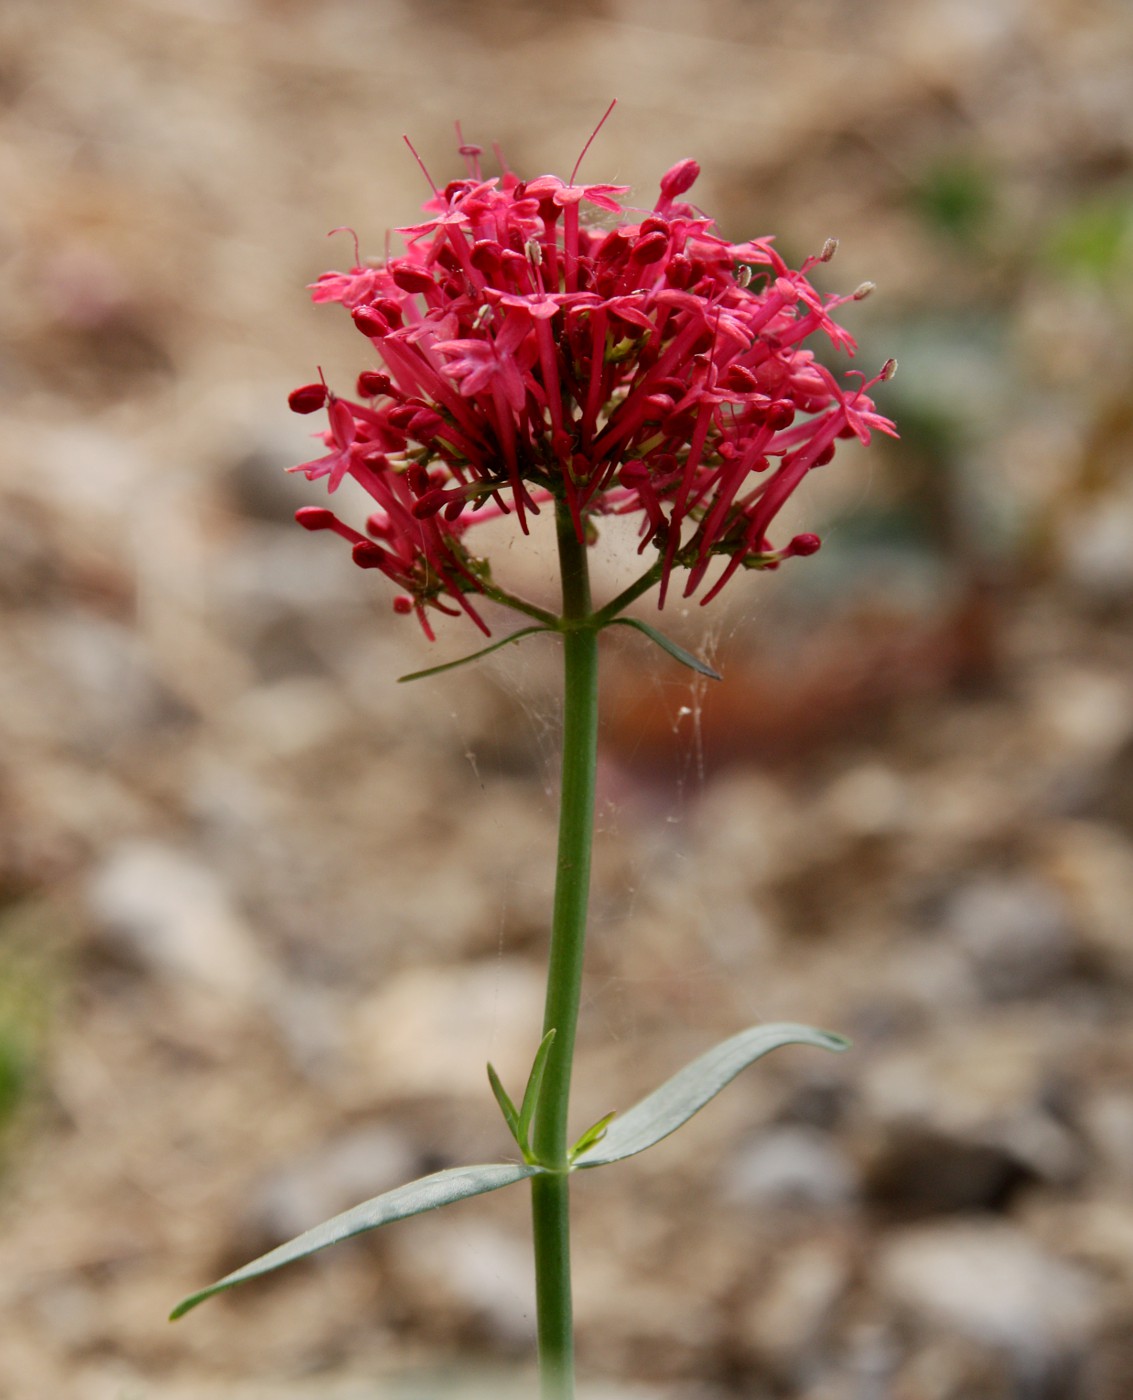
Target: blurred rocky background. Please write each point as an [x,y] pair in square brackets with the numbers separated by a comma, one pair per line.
[264,913]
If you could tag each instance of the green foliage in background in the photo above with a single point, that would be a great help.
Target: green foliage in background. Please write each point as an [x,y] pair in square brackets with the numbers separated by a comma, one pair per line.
[29,980]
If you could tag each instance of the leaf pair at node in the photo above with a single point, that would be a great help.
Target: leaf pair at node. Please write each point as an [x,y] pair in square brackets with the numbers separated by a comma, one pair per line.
[609,1140]
[519,1120]
[678,653]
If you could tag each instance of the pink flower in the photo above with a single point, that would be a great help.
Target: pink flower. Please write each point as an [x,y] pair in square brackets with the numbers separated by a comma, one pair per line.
[646,368]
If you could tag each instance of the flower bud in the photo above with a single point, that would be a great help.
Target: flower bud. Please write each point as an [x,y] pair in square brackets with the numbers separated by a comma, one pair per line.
[803,545]
[680,178]
[650,249]
[412,279]
[309,398]
[371,384]
[368,555]
[371,322]
[780,415]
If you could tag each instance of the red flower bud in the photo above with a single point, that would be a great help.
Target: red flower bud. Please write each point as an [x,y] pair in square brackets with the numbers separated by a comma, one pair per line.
[411,279]
[371,322]
[371,384]
[803,545]
[309,398]
[780,415]
[650,249]
[680,178]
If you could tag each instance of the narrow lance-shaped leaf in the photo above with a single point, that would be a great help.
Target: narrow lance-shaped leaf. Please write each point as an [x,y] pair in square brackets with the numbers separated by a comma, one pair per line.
[507,1108]
[678,653]
[531,1093]
[473,656]
[430,1192]
[675,1102]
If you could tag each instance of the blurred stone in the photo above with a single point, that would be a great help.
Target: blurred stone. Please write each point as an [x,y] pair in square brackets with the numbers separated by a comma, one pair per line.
[990,1284]
[103,670]
[870,800]
[1015,932]
[962,1121]
[474,1268]
[263,489]
[170,915]
[431,1030]
[1093,865]
[1107,1117]
[789,1322]
[1095,544]
[791,1165]
[918,1172]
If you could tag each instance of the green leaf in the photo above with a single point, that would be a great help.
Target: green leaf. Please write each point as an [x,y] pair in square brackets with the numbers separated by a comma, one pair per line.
[678,653]
[475,656]
[507,1108]
[594,1134]
[675,1102]
[430,1192]
[531,1093]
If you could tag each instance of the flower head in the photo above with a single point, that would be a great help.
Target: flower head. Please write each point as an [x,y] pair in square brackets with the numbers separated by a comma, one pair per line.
[643,366]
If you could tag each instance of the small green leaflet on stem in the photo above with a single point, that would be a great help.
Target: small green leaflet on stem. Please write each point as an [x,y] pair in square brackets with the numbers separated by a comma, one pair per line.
[507,1108]
[678,653]
[592,1136]
[531,1094]
[474,656]
[519,1120]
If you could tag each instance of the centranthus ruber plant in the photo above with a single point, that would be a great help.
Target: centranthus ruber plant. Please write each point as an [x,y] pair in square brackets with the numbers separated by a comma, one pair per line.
[542,345]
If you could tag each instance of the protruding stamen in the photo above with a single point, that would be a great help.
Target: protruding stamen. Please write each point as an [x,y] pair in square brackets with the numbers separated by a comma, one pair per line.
[421,163]
[597,129]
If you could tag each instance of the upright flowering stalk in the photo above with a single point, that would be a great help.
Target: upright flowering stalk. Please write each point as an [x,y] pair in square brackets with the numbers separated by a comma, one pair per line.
[542,345]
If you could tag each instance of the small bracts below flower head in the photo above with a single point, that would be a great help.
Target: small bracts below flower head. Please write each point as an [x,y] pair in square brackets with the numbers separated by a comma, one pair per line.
[644,368]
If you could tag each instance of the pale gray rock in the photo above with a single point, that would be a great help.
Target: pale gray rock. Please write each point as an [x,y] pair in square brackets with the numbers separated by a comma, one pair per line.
[164,911]
[1015,932]
[988,1283]
[431,1030]
[790,1321]
[791,1165]
[474,1268]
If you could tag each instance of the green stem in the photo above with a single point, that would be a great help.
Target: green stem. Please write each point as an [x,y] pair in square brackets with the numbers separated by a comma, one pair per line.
[606,615]
[550,1194]
[518,604]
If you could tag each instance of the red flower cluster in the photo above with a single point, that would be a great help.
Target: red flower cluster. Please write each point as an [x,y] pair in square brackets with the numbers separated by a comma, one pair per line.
[643,367]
